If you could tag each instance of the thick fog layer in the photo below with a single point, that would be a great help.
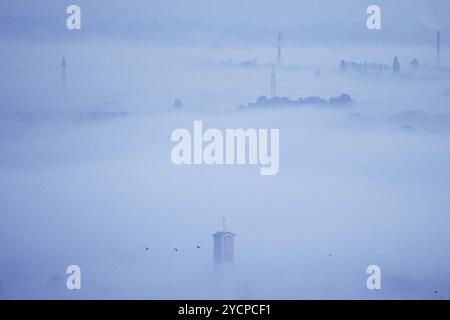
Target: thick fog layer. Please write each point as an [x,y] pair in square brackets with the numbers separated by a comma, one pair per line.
[87,177]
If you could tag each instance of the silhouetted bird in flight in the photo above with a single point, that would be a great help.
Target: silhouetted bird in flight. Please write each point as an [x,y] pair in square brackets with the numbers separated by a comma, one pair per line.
[147,248]
[175,249]
[198,247]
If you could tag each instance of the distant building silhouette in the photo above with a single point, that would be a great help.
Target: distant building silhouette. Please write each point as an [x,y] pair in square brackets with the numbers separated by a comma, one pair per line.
[177,104]
[317,73]
[396,66]
[414,64]
[263,101]
[364,68]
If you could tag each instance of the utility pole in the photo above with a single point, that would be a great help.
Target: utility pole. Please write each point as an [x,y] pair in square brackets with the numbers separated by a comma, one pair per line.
[279,57]
[273,83]
[63,71]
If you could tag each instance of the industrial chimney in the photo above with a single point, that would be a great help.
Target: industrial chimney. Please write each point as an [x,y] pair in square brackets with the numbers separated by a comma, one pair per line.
[438,47]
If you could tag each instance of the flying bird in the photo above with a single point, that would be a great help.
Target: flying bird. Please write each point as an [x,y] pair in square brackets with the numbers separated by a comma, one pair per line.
[147,248]
[176,249]
[198,247]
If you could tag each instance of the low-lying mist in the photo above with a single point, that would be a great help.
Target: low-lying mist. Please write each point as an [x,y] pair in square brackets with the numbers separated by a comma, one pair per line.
[86,175]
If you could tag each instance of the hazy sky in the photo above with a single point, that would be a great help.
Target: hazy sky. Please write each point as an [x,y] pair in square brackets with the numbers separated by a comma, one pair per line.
[363,184]
[410,20]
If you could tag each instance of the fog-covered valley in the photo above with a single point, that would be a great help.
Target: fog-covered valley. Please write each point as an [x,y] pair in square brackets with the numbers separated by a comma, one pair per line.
[87,178]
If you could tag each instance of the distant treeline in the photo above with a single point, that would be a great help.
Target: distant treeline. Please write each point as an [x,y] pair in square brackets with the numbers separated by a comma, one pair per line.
[263,101]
